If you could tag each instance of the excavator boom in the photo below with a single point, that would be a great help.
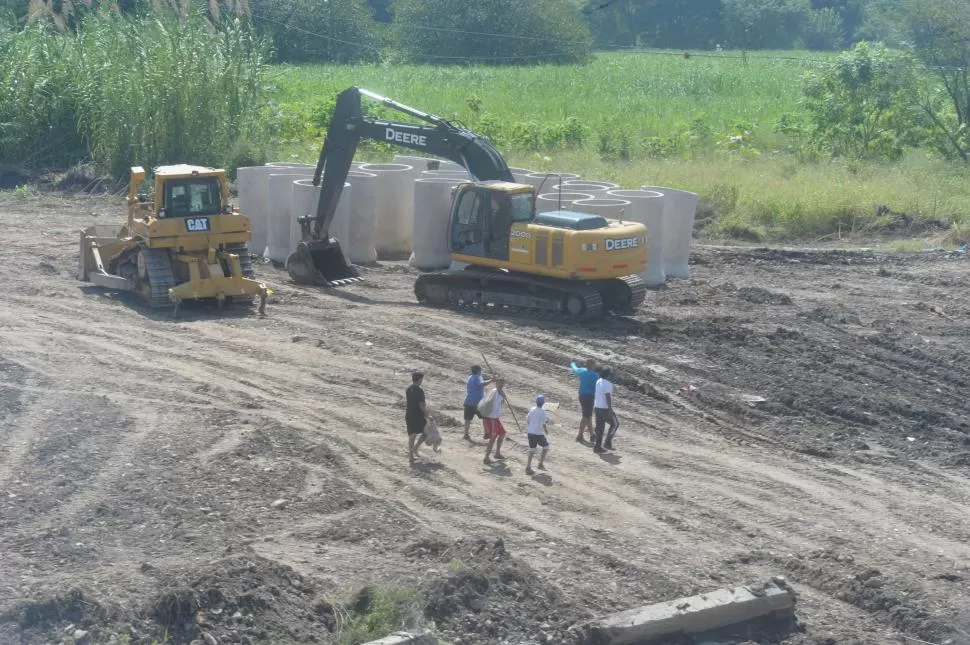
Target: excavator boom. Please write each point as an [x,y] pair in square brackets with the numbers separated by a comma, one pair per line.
[318,258]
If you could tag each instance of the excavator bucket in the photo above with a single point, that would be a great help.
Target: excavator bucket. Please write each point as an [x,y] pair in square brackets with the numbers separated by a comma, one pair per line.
[322,263]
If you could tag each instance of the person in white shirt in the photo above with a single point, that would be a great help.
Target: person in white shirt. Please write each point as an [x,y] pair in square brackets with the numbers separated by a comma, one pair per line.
[603,411]
[494,430]
[536,423]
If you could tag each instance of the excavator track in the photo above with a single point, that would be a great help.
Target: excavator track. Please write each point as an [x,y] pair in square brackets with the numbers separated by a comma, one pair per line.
[158,264]
[484,290]
[623,296]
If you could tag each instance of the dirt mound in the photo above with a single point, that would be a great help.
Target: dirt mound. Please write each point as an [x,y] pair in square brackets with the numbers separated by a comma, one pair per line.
[760,296]
[63,613]
[10,179]
[241,599]
[238,600]
[487,596]
[872,591]
[83,179]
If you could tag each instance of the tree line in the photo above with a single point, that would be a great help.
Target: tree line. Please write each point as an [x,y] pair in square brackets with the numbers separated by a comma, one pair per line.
[910,89]
[509,31]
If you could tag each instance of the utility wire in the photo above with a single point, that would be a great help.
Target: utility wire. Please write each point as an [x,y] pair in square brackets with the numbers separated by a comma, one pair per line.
[744,57]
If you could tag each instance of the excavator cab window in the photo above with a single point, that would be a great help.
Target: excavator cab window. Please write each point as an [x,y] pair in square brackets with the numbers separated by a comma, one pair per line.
[522,207]
[498,226]
[468,230]
[195,196]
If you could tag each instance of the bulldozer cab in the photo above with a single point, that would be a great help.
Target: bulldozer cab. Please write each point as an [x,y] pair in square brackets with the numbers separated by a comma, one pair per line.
[191,196]
[483,215]
[181,191]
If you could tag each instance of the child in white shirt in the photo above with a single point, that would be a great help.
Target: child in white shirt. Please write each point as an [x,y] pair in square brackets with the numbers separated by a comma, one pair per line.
[536,423]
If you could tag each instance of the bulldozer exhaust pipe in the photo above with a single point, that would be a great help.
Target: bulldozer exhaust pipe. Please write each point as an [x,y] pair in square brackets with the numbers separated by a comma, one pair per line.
[320,263]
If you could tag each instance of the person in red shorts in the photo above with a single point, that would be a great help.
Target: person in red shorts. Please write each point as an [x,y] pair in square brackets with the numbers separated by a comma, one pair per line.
[494,430]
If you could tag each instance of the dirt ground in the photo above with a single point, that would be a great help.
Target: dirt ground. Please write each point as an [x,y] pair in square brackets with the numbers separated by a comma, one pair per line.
[786,412]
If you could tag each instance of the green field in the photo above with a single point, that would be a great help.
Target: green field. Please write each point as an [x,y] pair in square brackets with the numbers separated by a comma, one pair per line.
[725,127]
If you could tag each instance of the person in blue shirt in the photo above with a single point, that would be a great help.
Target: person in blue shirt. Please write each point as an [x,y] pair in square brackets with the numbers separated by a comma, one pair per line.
[587,394]
[474,392]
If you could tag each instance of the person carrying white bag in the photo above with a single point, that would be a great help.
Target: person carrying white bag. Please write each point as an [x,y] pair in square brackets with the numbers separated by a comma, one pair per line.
[490,408]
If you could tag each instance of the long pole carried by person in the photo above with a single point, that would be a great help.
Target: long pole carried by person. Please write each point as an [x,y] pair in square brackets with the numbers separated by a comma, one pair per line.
[492,372]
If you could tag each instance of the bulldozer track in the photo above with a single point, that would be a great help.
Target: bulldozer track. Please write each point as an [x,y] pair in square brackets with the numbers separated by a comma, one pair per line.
[245,258]
[160,277]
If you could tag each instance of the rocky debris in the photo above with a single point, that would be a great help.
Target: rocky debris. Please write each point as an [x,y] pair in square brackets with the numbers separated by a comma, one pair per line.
[484,595]
[760,296]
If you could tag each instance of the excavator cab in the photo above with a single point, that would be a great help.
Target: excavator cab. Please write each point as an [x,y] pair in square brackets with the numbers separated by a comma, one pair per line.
[483,215]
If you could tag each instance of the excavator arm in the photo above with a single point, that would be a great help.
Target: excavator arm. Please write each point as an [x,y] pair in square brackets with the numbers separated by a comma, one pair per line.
[318,258]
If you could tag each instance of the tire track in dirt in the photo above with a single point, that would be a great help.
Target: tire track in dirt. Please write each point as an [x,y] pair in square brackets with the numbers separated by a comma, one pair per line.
[228,414]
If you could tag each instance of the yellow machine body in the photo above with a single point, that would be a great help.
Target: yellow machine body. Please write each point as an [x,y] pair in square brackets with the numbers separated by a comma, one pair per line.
[184,242]
[552,250]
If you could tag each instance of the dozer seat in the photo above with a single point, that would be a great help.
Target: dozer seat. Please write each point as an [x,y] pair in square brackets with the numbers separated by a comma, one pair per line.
[179,206]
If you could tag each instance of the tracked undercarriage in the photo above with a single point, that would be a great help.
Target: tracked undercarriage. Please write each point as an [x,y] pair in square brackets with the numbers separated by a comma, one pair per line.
[481,288]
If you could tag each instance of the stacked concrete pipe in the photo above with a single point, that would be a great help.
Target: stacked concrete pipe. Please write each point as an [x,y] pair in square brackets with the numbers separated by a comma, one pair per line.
[557,201]
[432,212]
[544,181]
[394,204]
[360,210]
[586,186]
[679,212]
[251,186]
[460,174]
[426,163]
[306,198]
[603,205]
[648,208]
[521,175]
[279,210]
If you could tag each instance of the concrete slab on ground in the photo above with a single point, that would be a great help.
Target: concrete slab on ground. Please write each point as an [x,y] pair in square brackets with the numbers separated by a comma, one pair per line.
[698,614]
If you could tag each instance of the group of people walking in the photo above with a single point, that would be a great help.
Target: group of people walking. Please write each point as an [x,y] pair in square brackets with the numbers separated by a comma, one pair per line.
[595,400]
[596,403]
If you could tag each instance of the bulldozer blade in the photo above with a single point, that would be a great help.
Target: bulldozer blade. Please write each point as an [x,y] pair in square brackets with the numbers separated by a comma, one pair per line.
[320,263]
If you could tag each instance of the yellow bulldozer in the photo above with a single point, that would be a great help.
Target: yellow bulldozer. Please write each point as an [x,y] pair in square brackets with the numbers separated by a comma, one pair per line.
[182,242]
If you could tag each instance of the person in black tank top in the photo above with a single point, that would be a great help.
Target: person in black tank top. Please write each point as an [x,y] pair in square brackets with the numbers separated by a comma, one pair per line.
[415,415]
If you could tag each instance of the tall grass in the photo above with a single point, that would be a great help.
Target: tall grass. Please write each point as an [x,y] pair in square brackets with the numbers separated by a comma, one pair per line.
[637,96]
[134,91]
[37,109]
[726,128]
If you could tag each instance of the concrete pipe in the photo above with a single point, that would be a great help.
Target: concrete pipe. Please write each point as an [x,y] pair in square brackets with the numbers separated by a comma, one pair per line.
[648,207]
[306,199]
[280,213]
[610,208]
[556,201]
[544,181]
[432,212]
[587,186]
[426,163]
[260,204]
[291,164]
[360,209]
[458,175]
[521,175]
[394,204]
[680,209]
[252,182]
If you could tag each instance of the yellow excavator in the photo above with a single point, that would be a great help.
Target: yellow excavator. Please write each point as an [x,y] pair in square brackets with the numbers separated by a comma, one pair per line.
[504,254]
[183,242]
